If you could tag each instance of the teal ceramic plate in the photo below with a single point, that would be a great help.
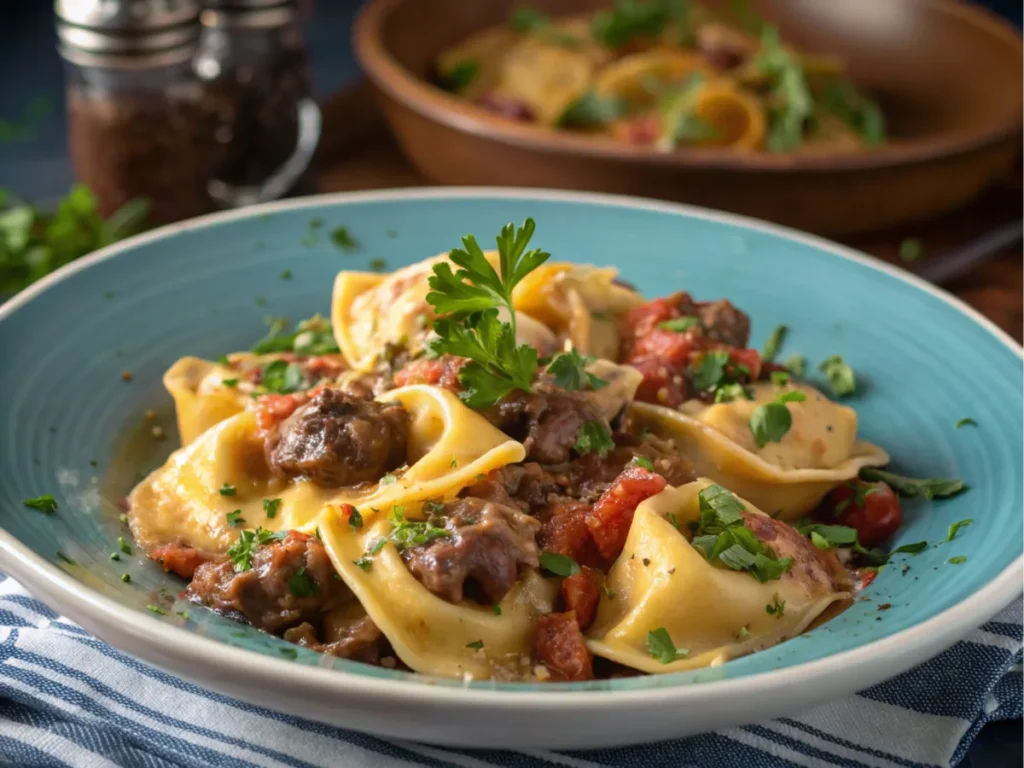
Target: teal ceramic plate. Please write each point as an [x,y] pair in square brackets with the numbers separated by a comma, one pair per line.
[73,426]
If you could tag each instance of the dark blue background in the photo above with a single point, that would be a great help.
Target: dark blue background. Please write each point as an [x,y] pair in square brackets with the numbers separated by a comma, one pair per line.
[36,166]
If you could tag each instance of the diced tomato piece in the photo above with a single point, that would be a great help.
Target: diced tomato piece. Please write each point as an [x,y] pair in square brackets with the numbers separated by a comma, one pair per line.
[671,347]
[662,384]
[559,645]
[641,320]
[872,508]
[565,532]
[179,559]
[441,371]
[272,409]
[324,367]
[749,358]
[612,515]
[581,593]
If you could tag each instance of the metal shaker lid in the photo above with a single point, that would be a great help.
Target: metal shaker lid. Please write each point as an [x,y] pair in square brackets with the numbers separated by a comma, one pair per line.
[127,27]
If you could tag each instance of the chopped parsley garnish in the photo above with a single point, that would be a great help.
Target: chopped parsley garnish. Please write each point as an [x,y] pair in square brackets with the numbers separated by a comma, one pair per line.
[228,490]
[123,545]
[721,536]
[246,545]
[123,519]
[774,342]
[771,421]
[967,422]
[406,533]
[301,585]
[184,614]
[911,549]
[156,609]
[779,378]
[777,607]
[496,610]
[458,78]
[343,239]
[470,299]
[126,578]
[643,462]
[839,374]
[679,324]
[388,479]
[475,645]
[312,336]
[790,95]
[911,249]
[957,560]
[229,382]
[861,491]
[286,274]
[829,536]
[115,556]
[364,563]
[378,265]
[711,370]
[560,565]
[726,393]
[45,503]
[289,653]
[661,647]
[355,520]
[915,487]
[281,377]
[796,364]
[955,527]
[594,437]
[235,518]
[270,507]
[568,370]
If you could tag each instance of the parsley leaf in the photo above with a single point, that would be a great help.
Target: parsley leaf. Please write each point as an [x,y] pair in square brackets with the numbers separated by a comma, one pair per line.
[246,545]
[45,503]
[771,421]
[300,585]
[459,77]
[954,527]
[797,364]
[270,507]
[957,560]
[594,437]
[228,490]
[560,565]
[282,378]
[839,374]
[355,519]
[777,607]
[711,370]
[915,487]
[967,422]
[643,462]
[679,324]
[475,645]
[661,647]
[406,533]
[726,393]
[774,341]
[235,518]
[343,239]
[568,370]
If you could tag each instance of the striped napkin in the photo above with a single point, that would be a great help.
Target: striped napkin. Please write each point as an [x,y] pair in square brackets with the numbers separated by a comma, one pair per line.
[68,699]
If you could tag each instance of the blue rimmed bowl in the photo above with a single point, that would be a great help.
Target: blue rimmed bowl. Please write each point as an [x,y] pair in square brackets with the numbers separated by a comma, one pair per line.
[83,352]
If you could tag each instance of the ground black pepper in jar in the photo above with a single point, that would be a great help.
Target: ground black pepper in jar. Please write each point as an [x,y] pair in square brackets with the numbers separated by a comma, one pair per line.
[265,124]
[136,124]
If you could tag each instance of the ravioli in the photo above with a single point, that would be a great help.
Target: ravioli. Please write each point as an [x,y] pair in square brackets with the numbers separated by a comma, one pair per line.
[200,397]
[789,477]
[429,634]
[449,446]
[662,581]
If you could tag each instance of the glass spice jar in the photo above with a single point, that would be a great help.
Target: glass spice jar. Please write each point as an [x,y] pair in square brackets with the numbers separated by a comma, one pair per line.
[136,125]
[265,123]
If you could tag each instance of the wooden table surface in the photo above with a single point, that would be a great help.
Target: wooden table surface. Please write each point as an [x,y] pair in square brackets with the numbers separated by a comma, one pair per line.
[358,153]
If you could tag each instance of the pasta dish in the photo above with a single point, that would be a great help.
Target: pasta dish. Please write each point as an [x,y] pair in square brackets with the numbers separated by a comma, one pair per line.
[664,74]
[492,465]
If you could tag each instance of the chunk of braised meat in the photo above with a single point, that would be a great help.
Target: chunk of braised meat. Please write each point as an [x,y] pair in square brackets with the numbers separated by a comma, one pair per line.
[547,420]
[559,645]
[290,582]
[179,559]
[339,440]
[724,323]
[442,372]
[343,636]
[481,560]
[565,531]
[818,569]
[612,515]
[581,593]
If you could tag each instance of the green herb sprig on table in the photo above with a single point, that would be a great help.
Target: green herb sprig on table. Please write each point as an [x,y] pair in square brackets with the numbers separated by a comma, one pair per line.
[34,242]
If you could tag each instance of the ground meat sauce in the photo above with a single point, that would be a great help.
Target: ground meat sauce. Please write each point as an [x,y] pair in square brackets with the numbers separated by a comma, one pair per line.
[338,440]
[489,546]
[265,594]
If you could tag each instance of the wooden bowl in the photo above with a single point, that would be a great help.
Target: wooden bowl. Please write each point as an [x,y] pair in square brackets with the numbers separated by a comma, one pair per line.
[948,76]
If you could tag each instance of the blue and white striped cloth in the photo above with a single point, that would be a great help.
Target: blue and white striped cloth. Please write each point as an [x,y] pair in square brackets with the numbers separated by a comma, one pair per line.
[68,699]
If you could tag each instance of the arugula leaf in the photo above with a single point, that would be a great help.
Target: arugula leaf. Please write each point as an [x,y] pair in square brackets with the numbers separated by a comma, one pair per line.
[45,503]
[916,487]
[661,647]
[774,341]
[560,565]
[594,437]
[839,374]
[568,370]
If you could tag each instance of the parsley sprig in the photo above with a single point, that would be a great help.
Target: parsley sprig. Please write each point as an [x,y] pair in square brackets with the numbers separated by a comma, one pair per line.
[248,543]
[470,299]
[569,371]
